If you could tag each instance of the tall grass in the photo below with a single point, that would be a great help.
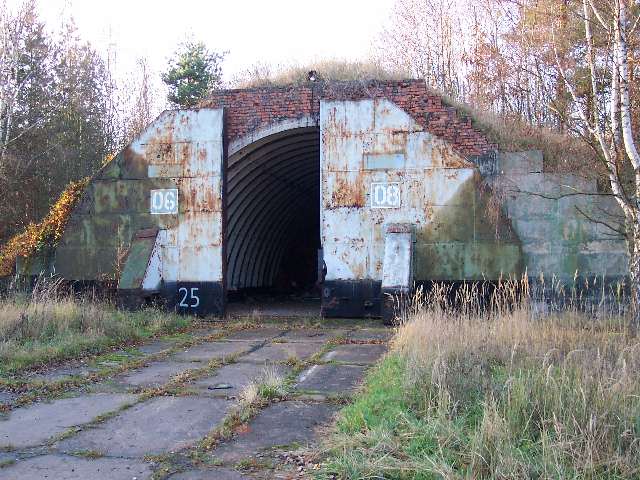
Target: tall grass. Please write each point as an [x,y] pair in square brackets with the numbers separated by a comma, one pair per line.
[48,324]
[497,391]
[263,75]
[562,151]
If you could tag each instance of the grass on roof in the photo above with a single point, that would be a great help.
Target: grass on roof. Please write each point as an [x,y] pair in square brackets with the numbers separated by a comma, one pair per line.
[562,152]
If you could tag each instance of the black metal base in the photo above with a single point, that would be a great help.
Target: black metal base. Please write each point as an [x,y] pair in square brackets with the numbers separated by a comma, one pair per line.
[394,305]
[351,299]
[189,298]
[195,298]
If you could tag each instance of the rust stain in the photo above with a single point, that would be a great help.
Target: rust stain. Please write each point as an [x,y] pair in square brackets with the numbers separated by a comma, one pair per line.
[212,201]
[399,142]
[347,194]
[185,153]
[159,148]
[378,266]
[134,163]
[450,159]
[335,129]
[428,210]
[452,175]
[358,269]
[197,197]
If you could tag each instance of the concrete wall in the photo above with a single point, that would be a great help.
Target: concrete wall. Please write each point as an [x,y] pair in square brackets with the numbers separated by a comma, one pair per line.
[544,209]
[500,218]
[475,214]
[182,152]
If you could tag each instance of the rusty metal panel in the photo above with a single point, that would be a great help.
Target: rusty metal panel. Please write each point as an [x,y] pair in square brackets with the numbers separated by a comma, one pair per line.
[397,272]
[364,144]
[185,149]
[180,152]
[373,147]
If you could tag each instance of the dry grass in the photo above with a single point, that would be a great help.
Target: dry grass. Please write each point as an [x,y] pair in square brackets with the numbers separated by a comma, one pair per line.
[50,325]
[569,384]
[562,151]
[268,385]
[497,392]
[262,75]
[249,395]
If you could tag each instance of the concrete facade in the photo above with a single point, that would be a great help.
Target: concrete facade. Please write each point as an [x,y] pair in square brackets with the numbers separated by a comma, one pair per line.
[378,177]
[550,213]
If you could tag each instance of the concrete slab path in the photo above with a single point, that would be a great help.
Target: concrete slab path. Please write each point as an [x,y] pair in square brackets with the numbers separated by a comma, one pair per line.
[151,420]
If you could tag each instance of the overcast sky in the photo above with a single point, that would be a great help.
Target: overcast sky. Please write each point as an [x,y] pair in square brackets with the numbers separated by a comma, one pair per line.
[269,31]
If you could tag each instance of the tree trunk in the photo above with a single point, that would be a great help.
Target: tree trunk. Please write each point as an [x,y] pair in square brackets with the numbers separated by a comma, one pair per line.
[634,272]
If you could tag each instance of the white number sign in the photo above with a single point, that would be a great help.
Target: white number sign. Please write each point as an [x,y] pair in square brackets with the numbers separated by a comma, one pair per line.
[164,202]
[385,195]
[191,296]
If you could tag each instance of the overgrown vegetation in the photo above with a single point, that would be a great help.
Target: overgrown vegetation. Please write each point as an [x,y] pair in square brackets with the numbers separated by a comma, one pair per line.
[46,234]
[49,326]
[64,106]
[55,118]
[327,70]
[562,152]
[501,393]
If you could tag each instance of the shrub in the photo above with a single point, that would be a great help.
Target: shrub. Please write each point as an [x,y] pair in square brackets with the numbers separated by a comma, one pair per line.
[46,234]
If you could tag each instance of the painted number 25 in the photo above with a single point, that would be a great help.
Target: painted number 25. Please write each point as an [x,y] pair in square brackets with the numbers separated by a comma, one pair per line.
[191,295]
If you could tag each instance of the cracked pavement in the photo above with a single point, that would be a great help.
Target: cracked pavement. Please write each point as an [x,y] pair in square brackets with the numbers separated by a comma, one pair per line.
[149,415]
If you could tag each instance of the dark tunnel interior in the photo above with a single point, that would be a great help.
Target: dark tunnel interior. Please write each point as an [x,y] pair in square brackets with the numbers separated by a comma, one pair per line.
[273,213]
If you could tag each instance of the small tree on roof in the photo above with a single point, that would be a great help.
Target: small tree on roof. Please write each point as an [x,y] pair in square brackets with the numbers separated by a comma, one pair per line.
[193,72]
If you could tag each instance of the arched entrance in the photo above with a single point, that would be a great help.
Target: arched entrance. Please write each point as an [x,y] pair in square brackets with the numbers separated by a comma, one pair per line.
[272,227]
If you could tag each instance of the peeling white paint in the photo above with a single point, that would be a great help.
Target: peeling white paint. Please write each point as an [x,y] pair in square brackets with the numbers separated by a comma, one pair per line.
[186,148]
[429,175]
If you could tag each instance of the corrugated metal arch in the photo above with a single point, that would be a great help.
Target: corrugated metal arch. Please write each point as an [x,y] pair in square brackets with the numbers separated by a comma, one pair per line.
[273,187]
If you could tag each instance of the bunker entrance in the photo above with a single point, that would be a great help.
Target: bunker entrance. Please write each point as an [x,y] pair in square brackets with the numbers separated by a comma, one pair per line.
[273,217]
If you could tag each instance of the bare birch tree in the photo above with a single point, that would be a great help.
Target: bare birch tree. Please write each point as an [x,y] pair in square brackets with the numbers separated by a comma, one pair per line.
[13,75]
[608,118]
[144,102]
[424,38]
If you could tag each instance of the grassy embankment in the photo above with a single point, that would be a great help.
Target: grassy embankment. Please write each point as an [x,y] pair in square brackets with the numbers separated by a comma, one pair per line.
[499,394]
[46,326]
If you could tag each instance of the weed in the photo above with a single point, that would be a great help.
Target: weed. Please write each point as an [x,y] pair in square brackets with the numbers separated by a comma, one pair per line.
[92,454]
[496,392]
[6,463]
[39,330]
[271,384]
[251,463]
[262,75]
